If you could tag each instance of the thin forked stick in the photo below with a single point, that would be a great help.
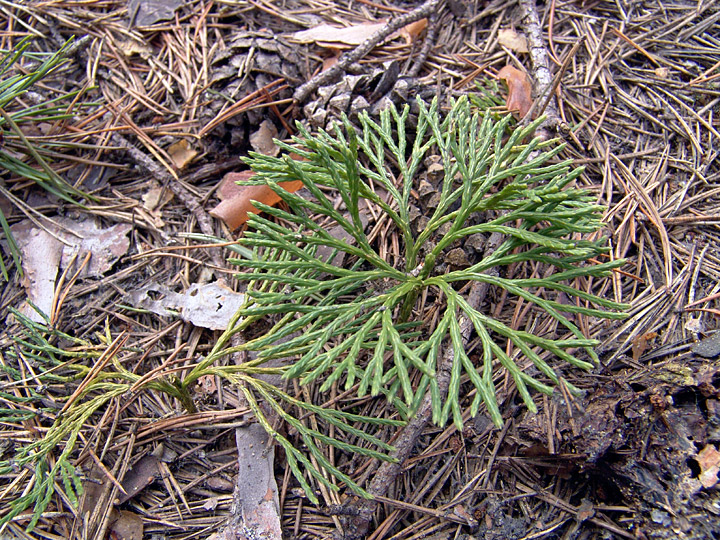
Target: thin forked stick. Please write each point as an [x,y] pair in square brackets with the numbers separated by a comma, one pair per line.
[349,58]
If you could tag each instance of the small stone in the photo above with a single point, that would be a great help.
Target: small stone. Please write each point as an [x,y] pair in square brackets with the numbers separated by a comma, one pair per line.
[708,347]
[384,103]
[425,188]
[318,117]
[433,158]
[340,103]
[309,109]
[435,171]
[457,257]
[422,223]
[401,90]
[476,241]
[444,228]
[352,81]
[358,105]
[434,201]
[325,93]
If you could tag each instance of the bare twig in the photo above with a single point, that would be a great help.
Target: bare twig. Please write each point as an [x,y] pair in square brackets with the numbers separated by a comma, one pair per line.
[558,77]
[349,58]
[539,56]
[426,47]
[188,199]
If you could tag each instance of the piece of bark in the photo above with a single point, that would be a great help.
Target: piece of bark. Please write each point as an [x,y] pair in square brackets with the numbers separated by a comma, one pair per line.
[256,504]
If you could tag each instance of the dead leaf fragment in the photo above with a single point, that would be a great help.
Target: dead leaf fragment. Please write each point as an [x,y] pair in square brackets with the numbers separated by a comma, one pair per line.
[153,201]
[256,500]
[43,254]
[6,207]
[333,37]
[94,483]
[107,245]
[141,475]
[210,305]
[411,31]
[507,37]
[326,35]
[234,210]
[148,12]
[262,140]
[127,526]
[709,460]
[181,153]
[156,198]
[206,385]
[519,98]
[229,187]
[640,344]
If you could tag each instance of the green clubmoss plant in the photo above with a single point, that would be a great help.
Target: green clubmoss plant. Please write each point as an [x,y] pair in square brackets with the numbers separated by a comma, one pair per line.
[98,376]
[357,324]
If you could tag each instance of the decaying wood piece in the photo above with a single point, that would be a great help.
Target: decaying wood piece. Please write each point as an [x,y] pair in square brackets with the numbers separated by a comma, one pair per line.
[256,507]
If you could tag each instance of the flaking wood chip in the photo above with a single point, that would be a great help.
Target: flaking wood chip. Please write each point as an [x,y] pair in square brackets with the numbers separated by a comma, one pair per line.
[262,140]
[181,153]
[209,305]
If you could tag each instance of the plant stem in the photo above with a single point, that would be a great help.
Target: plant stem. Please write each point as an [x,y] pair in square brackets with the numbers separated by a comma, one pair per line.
[408,305]
[183,395]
